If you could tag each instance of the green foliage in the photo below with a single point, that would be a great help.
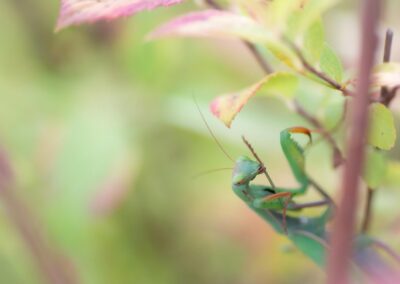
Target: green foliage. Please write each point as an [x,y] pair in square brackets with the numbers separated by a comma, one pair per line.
[382,132]
[330,64]
[279,84]
[314,41]
[375,168]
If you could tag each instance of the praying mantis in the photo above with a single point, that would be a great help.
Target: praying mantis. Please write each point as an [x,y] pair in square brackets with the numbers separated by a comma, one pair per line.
[271,203]
[272,198]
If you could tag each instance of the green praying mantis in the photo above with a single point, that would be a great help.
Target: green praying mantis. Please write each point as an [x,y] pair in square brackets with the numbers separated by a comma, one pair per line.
[271,203]
[261,198]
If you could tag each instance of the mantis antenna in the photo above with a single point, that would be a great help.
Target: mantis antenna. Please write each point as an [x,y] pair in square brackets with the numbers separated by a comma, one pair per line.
[258,160]
[209,130]
[209,172]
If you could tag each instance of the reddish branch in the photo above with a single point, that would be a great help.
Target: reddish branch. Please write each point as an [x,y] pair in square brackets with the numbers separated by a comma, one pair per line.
[54,268]
[324,77]
[344,223]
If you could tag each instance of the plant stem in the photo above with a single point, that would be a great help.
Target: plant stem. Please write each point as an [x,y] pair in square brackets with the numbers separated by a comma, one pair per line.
[51,264]
[314,71]
[321,191]
[343,226]
[387,249]
[386,97]
[368,211]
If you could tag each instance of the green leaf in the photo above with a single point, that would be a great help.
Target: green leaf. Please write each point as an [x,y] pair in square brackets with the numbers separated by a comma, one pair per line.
[382,131]
[280,84]
[375,168]
[330,64]
[314,41]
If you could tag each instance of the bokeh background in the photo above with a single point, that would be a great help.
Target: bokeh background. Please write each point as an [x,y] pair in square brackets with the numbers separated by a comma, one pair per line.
[107,147]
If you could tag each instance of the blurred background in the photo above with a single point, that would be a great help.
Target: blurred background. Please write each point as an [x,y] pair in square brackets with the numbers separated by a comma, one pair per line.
[107,147]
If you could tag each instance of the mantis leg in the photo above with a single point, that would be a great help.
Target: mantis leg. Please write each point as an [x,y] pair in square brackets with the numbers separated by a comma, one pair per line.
[282,201]
[295,156]
[295,206]
[274,201]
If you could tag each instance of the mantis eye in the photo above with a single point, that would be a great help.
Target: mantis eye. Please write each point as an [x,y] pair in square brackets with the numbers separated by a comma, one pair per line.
[241,182]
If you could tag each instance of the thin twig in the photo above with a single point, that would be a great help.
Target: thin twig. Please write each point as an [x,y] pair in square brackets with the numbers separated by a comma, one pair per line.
[390,96]
[343,225]
[250,46]
[387,249]
[258,56]
[314,237]
[367,218]
[386,94]
[387,54]
[316,72]
[259,161]
[319,188]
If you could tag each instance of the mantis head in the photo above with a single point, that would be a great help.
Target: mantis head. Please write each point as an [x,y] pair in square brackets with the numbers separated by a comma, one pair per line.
[245,170]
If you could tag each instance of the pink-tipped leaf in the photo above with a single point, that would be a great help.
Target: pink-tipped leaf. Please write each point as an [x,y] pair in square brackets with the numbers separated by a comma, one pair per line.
[215,24]
[280,84]
[75,12]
